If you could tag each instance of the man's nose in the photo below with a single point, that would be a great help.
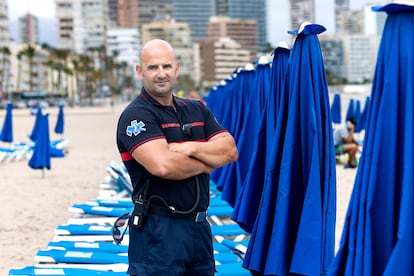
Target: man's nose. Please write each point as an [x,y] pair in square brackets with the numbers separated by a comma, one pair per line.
[161,71]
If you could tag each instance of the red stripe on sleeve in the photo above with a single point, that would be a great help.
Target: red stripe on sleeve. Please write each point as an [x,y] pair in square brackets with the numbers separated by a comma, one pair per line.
[197,124]
[126,156]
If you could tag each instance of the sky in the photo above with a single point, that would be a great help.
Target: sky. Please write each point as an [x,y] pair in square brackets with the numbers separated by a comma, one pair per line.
[43,9]
[277,17]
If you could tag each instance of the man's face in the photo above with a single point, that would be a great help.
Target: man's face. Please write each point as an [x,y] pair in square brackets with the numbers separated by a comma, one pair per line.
[158,70]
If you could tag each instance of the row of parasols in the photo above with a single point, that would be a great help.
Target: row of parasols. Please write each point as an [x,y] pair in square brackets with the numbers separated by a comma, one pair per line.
[41,149]
[283,187]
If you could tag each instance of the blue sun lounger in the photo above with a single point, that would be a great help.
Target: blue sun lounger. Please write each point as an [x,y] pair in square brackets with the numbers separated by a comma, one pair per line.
[231,269]
[127,202]
[99,210]
[95,229]
[98,257]
[79,257]
[108,247]
[111,247]
[39,271]
[221,210]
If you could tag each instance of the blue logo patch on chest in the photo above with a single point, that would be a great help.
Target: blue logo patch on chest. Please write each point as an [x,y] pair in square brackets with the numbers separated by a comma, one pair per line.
[135,128]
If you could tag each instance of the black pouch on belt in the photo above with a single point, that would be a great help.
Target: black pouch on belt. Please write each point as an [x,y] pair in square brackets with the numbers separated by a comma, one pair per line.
[140,208]
[139,213]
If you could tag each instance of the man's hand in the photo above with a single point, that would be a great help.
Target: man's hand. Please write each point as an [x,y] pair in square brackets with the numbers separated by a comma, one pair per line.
[185,148]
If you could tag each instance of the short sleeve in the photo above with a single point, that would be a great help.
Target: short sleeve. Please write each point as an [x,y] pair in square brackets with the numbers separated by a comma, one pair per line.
[137,126]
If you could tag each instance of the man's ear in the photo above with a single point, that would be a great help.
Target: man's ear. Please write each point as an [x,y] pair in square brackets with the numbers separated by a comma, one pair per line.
[138,69]
[177,68]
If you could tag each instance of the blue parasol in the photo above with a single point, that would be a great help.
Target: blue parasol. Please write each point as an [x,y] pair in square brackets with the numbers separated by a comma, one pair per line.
[222,103]
[350,112]
[336,109]
[41,152]
[295,227]
[378,234]
[364,114]
[247,203]
[60,123]
[256,94]
[35,130]
[6,134]
[357,116]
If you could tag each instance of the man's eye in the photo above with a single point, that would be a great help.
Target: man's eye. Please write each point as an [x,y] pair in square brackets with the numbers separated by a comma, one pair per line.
[152,68]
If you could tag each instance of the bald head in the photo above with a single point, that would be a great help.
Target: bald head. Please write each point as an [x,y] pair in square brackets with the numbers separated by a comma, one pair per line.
[156,45]
[158,69]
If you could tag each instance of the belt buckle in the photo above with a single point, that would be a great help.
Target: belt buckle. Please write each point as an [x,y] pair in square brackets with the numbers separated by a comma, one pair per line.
[200,216]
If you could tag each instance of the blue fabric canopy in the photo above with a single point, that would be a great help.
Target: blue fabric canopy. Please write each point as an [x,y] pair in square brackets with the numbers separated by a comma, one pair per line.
[238,105]
[364,115]
[41,153]
[6,134]
[258,91]
[350,112]
[35,129]
[357,116]
[295,228]
[60,122]
[378,234]
[247,203]
[336,109]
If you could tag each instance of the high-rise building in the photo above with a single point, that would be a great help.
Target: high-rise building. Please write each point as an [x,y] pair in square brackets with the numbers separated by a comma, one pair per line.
[341,5]
[135,13]
[350,21]
[219,58]
[128,14]
[65,18]
[242,31]
[195,13]
[150,10]
[360,52]
[301,11]
[360,21]
[332,47]
[113,13]
[178,34]
[82,24]
[305,11]
[29,29]
[4,23]
[126,43]
[246,10]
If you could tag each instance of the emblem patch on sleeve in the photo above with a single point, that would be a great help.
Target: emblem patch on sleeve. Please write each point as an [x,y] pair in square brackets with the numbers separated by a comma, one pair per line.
[135,128]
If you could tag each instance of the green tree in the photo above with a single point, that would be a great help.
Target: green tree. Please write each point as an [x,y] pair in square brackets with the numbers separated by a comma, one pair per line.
[30,53]
[268,48]
[5,64]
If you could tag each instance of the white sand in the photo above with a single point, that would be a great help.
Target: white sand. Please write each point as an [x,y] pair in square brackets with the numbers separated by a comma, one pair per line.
[33,206]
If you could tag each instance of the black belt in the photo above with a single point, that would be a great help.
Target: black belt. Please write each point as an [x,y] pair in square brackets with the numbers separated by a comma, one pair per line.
[163,211]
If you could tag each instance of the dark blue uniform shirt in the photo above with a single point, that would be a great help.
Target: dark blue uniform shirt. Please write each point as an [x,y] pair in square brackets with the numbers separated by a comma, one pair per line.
[143,120]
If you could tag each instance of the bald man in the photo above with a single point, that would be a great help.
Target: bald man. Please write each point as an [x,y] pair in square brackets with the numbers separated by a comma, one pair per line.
[169,146]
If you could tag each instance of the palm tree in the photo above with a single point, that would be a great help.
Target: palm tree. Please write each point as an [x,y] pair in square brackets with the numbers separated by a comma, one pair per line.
[19,70]
[5,62]
[85,68]
[30,52]
[62,55]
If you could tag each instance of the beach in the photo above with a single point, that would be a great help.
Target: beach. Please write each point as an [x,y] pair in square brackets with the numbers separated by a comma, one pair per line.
[33,206]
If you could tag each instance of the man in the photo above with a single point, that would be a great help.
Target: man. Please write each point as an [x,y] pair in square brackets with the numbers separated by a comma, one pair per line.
[169,146]
[345,142]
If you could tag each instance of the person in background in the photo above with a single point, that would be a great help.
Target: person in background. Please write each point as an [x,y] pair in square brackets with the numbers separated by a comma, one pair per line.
[169,146]
[345,142]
